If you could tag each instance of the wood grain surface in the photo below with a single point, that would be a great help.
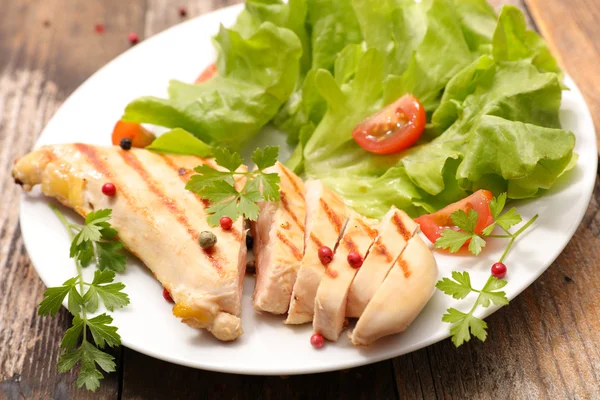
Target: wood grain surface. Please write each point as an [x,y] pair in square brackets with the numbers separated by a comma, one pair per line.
[546,344]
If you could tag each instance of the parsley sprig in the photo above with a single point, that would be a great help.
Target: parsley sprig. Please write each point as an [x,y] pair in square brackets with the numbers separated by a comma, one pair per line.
[465,324]
[459,287]
[453,240]
[219,186]
[93,241]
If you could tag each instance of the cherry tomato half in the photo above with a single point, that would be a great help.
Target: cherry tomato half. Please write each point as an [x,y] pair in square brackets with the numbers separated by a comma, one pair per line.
[393,129]
[140,136]
[432,225]
[208,73]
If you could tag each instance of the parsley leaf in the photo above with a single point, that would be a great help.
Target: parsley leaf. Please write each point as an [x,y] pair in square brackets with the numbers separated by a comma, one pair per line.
[72,334]
[112,294]
[490,293]
[497,205]
[110,256]
[452,240]
[227,159]
[455,240]
[476,244]
[508,219]
[219,187]
[465,325]
[102,332]
[54,296]
[268,183]
[266,157]
[227,208]
[458,288]
[88,356]
[248,204]
[75,301]
[464,221]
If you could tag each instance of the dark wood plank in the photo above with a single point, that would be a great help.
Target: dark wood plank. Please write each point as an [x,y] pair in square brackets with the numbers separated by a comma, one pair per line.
[572,32]
[44,55]
[146,377]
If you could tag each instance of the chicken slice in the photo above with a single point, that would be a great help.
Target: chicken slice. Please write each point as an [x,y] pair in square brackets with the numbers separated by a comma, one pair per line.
[158,220]
[395,231]
[407,288]
[330,302]
[325,220]
[279,243]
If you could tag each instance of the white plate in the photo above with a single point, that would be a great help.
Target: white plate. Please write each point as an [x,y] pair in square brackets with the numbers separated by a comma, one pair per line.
[268,346]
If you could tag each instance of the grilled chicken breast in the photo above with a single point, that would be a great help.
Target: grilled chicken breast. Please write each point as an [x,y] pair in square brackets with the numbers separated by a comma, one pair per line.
[332,294]
[325,220]
[279,243]
[407,288]
[395,231]
[158,220]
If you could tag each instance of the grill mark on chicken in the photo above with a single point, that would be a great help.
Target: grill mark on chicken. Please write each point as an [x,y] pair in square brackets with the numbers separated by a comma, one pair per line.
[401,228]
[297,253]
[131,160]
[331,273]
[404,266]
[286,207]
[382,249]
[350,245]
[185,175]
[316,240]
[298,190]
[332,216]
[370,231]
[92,156]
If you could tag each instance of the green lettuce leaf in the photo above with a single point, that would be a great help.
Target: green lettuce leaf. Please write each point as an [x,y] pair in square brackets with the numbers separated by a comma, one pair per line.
[503,126]
[428,71]
[478,22]
[513,42]
[333,25]
[256,75]
[291,15]
[497,121]
[179,141]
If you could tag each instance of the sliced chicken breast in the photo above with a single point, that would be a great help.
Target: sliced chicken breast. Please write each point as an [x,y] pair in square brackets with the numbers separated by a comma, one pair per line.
[325,219]
[395,231]
[407,288]
[158,220]
[332,294]
[279,243]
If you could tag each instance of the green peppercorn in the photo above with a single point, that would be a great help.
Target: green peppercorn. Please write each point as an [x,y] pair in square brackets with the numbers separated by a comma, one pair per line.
[207,239]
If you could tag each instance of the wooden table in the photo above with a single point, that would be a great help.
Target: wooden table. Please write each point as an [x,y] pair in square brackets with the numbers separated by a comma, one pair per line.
[546,344]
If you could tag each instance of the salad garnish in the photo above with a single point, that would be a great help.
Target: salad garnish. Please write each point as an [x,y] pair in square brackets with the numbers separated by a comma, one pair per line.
[93,241]
[466,324]
[218,186]
[453,240]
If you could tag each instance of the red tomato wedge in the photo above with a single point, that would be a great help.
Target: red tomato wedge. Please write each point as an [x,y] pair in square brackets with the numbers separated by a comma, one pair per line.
[140,136]
[432,225]
[393,129]
[208,73]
